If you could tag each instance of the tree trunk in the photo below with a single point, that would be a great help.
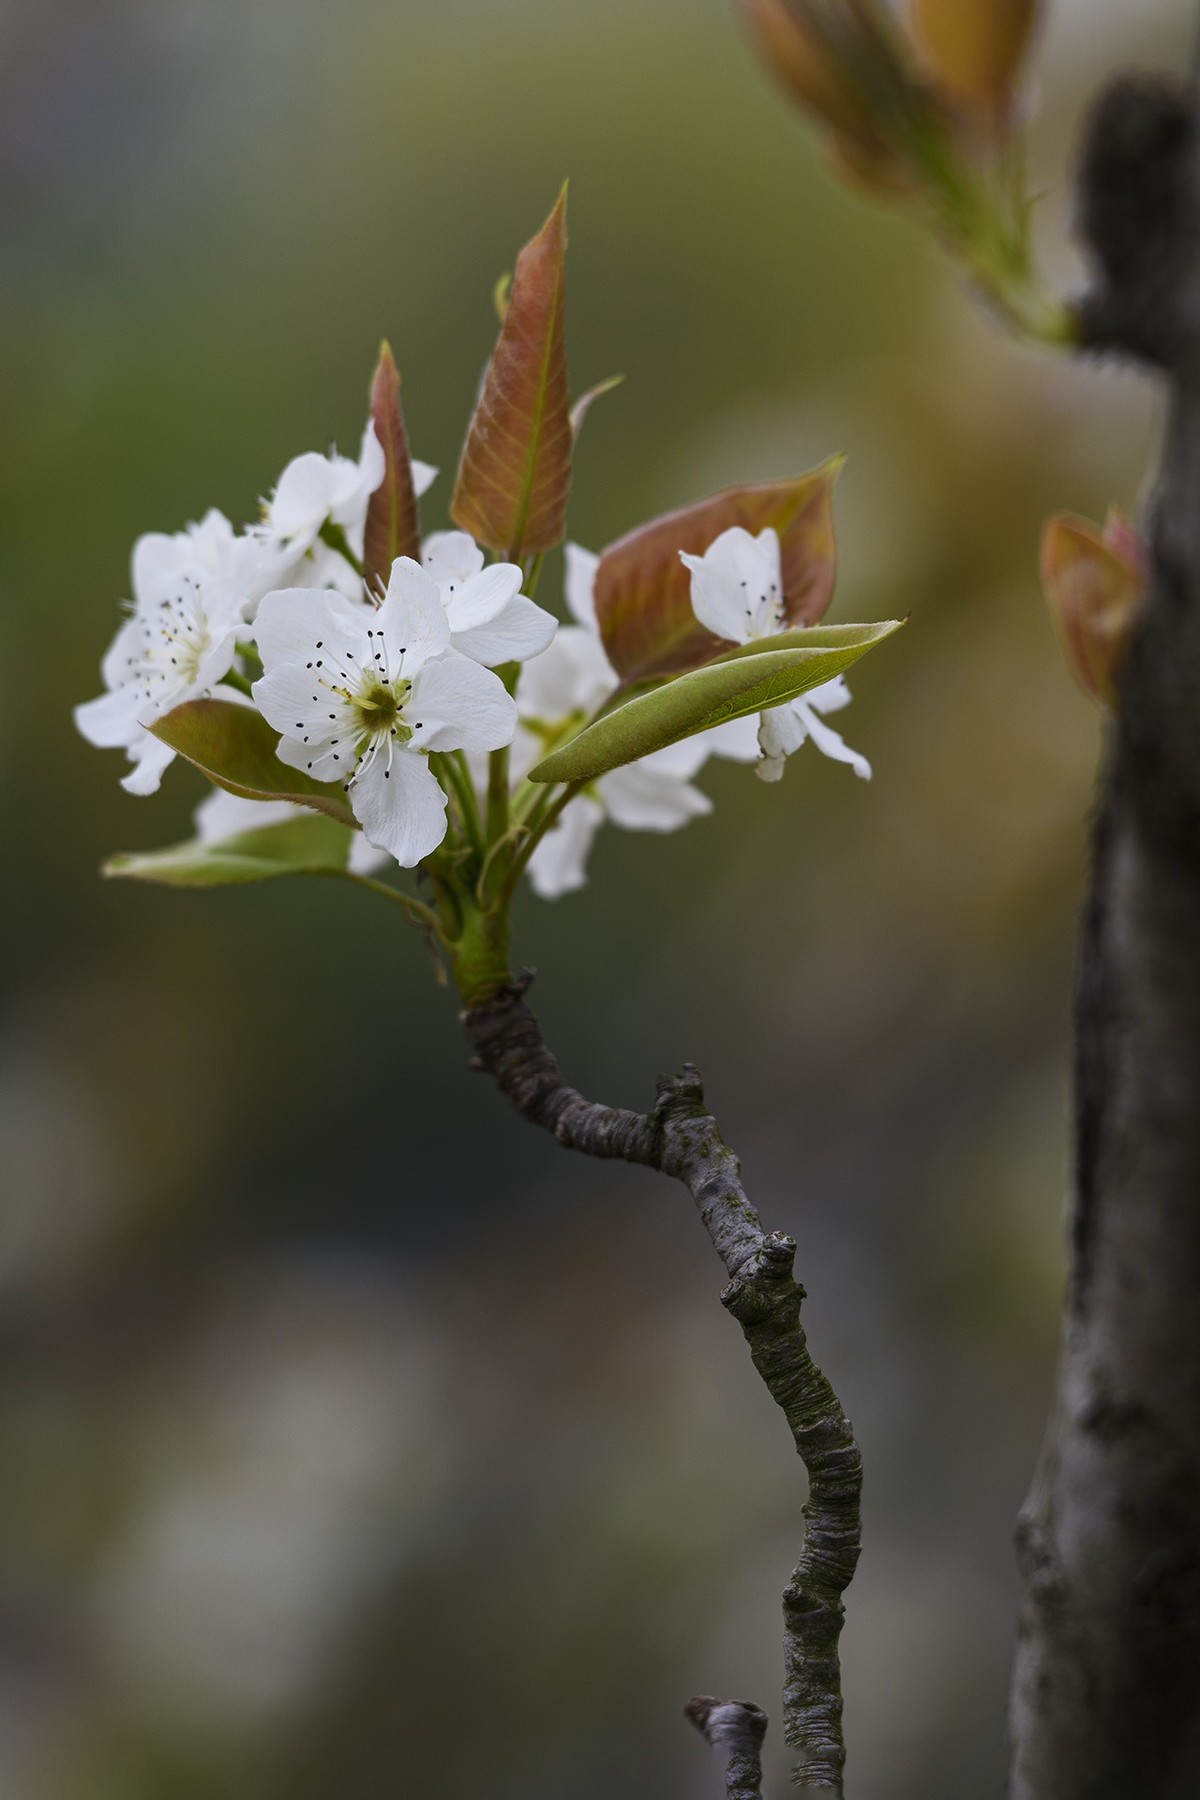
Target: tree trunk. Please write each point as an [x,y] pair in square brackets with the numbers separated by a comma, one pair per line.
[1106,1699]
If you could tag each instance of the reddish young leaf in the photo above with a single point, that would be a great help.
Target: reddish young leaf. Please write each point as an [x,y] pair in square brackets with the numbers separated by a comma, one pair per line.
[511,491]
[1095,582]
[644,593]
[392,529]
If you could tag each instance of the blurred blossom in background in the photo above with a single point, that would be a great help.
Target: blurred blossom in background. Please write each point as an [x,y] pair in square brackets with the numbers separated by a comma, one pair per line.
[356,1441]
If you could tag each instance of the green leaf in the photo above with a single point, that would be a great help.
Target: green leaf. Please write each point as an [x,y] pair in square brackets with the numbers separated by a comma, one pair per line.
[747,681]
[392,529]
[235,747]
[644,592]
[811,637]
[511,490]
[312,845]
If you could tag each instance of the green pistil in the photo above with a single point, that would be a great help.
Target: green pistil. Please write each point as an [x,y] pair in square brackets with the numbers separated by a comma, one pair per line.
[379,707]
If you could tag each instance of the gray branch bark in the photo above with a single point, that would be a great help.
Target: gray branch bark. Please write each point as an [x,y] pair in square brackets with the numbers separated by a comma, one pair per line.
[1106,1699]
[680,1138]
[738,1728]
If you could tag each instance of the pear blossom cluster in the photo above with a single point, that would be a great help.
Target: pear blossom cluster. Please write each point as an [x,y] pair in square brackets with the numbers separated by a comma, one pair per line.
[364,686]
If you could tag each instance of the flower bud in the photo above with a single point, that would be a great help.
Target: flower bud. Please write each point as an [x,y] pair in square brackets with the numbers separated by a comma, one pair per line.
[1095,583]
[809,71]
[975,48]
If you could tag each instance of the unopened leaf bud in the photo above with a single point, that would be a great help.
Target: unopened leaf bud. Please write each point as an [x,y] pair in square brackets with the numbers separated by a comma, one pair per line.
[976,49]
[808,69]
[1095,582]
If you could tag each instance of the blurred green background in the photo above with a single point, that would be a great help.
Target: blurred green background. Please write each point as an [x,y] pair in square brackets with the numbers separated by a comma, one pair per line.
[356,1441]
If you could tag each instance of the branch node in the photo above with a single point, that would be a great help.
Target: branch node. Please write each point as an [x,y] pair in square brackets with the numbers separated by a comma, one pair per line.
[736,1727]
[680,1096]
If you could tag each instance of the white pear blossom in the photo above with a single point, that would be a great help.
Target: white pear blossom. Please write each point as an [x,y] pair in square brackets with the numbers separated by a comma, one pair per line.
[177,645]
[360,696]
[222,815]
[490,618]
[567,682]
[315,491]
[248,565]
[737,592]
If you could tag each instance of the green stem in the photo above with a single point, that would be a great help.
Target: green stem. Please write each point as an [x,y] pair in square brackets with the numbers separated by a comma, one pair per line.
[458,783]
[232,678]
[416,913]
[985,225]
[497,795]
[533,574]
[537,832]
[480,954]
[336,538]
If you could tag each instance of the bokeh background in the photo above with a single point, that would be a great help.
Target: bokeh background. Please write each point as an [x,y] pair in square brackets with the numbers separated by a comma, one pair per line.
[355,1441]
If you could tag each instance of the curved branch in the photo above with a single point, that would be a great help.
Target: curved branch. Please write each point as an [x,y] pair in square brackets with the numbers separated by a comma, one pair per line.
[680,1138]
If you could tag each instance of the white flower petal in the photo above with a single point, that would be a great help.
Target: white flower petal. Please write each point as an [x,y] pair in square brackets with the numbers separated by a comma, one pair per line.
[158,563]
[364,857]
[736,740]
[217,659]
[223,815]
[581,583]
[737,588]
[558,864]
[122,654]
[329,760]
[354,483]
[521,630]
[572,676]
[400,806]
[413,618]
[298,625]
[451,556]
[461,706]
[150,758]
[295,701]
[423,477]
[681,760]
[830,744]
[480,598]
[110,722]
[525,750]
[782,730]
[831,696]
[303,496]
[323,567]
[640,799]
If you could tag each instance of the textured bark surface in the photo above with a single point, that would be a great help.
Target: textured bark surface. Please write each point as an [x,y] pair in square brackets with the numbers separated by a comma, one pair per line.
[680,1138]
[736,1728]
[1106,1701]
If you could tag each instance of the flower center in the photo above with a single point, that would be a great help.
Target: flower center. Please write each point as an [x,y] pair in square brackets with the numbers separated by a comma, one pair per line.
[175,641]
[764,609]
[378,707]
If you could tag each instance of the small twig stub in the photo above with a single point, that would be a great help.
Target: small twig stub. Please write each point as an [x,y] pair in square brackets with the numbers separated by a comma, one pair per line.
[736,1728]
